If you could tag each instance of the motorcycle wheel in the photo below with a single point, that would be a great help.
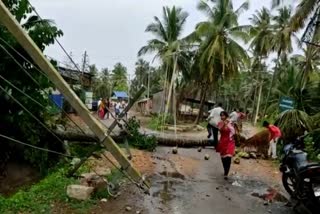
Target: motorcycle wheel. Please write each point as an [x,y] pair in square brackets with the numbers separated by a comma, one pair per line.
[289,184]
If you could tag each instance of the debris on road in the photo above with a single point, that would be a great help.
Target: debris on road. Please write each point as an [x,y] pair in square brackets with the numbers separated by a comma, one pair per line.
[199,149]
[175,150]
[79,192]
[104,200]
[236,183]
[253,155]
[128,208]
[236,160]
[269,195]
[243,155]
[207,157]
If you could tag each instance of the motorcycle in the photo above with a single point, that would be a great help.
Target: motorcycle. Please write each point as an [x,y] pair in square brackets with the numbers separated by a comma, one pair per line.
[300,178]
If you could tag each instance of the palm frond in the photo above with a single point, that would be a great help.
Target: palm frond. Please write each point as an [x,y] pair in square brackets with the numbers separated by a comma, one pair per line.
[304,10]
[243,7]
[293,123]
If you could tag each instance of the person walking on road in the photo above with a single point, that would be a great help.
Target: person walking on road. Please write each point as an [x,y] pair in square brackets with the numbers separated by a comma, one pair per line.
[214,119]
[101,111]
[274,136]
[107,107]
[117,108]
[226,145]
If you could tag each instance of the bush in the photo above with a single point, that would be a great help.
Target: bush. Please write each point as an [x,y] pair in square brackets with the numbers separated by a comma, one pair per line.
[312,146]
[137,139]
[293,123]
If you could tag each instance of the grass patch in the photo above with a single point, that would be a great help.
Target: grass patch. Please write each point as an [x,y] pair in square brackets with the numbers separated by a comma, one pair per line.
[157,122]
[41,197]
[203,124]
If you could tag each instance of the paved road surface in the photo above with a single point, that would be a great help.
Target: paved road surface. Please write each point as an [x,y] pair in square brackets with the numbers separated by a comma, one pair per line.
[187,184]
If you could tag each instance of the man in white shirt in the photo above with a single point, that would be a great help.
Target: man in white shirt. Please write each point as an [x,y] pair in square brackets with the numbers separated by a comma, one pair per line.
[98,104]
[118,108]
[213,120]
[234,116]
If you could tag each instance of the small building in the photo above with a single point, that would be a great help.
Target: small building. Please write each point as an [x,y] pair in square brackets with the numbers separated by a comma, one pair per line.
[144,106]
[119,95]
[75,77]
[188,106]
[80,82]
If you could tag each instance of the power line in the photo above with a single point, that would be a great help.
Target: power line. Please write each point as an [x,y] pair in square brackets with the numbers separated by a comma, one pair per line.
[30,113]
[63,49]
[35,147]
[22,92]
[41,72]
[21,66]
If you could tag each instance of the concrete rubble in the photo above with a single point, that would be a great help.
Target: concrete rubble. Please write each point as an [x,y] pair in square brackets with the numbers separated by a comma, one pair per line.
[79,192]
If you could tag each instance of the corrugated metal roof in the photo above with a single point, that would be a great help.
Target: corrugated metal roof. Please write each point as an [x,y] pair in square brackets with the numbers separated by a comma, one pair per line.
[120,94]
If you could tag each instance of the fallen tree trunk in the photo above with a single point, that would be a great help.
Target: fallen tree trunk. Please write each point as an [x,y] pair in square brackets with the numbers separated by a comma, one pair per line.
[180,142]
[74,136]
[163,140]
[78,137]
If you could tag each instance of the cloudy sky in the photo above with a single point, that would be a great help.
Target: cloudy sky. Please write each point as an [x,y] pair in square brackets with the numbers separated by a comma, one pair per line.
[112,31]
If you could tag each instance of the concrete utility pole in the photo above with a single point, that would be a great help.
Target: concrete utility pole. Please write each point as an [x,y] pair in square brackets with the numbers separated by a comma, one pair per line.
[8,20]
[84,62]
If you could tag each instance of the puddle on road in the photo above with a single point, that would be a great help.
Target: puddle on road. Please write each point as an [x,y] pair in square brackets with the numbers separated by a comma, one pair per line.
[172,174]
[167,192]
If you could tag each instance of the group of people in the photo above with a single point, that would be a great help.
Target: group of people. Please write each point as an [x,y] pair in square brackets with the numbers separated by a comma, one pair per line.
[104,107]
[228,126]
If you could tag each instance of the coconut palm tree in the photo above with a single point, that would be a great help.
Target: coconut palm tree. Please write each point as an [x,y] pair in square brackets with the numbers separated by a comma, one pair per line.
[220,56]
[262,34]
[219,33]
[168,45]
[142,72]
[282,42]
[304,10]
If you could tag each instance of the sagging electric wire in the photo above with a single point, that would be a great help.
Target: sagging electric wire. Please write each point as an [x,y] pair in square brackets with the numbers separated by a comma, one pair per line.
[44,74]
[126,175]
[61,46]
[35,147]
[30,113]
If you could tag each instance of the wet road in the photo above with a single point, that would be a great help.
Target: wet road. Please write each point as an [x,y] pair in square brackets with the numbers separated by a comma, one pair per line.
[188,184]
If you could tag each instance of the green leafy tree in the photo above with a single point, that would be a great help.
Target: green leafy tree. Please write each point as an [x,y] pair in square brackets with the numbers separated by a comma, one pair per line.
[15,121]
[282,42]
[119,78]
[169,47]
[220,55]
[102,84]
[142,72]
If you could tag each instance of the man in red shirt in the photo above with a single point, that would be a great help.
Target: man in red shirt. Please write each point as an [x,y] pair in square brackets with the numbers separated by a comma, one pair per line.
[275,134]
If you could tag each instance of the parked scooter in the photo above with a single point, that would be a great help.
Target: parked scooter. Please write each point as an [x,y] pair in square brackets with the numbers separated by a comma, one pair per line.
[300,178]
